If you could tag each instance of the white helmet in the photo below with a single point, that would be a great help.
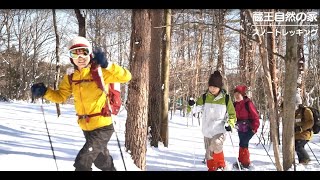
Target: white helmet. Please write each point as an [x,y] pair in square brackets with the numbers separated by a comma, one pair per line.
[79,41]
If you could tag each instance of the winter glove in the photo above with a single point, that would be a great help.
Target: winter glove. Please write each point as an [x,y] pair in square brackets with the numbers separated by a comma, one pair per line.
[236,126]
[100,58]
[228,128]
[38,90]
[298,129]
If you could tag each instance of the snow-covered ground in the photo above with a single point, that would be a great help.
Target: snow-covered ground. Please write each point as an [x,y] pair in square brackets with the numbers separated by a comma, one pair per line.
[25,145]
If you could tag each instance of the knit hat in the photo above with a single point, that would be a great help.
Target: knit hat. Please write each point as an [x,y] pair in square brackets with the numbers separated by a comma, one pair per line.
[241,89]
[215,80]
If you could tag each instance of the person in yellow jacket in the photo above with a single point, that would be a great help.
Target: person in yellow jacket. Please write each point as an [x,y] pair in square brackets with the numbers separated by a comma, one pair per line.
[303,130]
[89,101]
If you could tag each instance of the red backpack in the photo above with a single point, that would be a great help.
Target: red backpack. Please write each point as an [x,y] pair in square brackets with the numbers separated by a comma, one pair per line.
[113,94]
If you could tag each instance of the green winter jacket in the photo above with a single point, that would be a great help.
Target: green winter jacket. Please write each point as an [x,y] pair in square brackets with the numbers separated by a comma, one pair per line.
[216,114]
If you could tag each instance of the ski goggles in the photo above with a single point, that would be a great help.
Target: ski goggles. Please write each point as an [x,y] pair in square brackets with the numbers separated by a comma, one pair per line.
[75,53]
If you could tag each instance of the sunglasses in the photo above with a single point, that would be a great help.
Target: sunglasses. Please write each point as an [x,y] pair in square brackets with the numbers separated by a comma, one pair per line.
[77,52]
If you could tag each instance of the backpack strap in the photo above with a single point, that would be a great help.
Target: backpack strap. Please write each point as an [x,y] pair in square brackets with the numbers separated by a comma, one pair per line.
[246,105]
[204,96]
[105,111]
[227,100]
[70,76]
[70,79]
[96,74]
[97,78]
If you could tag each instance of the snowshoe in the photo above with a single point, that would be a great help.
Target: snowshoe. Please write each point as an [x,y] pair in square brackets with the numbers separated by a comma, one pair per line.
[220,169]
[236,165]
[242,167]
[204,161]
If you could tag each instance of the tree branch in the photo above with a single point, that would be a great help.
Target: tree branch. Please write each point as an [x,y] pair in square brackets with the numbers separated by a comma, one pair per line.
[258,40]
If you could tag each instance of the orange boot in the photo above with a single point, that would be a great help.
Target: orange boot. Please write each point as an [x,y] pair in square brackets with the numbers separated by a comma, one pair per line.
[244,157]
[211,164]
[240,157]
[219,160]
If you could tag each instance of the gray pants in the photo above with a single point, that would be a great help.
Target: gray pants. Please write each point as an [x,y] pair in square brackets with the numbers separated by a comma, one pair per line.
[214,145]
[303,156]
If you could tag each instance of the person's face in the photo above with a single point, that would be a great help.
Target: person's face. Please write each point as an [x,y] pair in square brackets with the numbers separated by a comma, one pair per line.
[80,57]
[214,90]
[237,96]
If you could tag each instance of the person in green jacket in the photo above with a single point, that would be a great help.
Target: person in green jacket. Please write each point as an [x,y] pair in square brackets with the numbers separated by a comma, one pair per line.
[217,118]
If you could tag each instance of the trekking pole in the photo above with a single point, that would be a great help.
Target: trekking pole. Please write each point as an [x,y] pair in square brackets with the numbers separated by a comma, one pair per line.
[104,90]
[313,153]
[294,160]
[234,151]
[266,151]
[124,164]
[188,114]
[54,157]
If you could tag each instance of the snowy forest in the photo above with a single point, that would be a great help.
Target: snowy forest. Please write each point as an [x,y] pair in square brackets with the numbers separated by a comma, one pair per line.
[171,54]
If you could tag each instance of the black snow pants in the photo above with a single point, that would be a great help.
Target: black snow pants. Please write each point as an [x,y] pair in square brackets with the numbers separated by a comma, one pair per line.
[95,150]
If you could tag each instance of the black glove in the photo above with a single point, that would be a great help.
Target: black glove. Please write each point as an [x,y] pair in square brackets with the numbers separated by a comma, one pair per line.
[100,58]
[298,129]
[38,90]
[228,128]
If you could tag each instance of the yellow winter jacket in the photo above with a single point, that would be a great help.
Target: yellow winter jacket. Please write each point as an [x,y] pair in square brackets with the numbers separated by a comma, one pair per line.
[306,123]
[88,97]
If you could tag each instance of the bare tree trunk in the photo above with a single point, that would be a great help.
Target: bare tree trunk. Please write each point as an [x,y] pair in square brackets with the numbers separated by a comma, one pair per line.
[97,30]
[289,96]
[82,22]
[57,74]
[220,37]
[269,97]
[273,70]
[136,124]
[301,65]
[8,24]
[318,66]
[211,55]
[198,55]
[243,48]
[246,53]
[155,77]
[251,70]
[271,105]
[165,78]
[280,64]
[220,19]
[189,60]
